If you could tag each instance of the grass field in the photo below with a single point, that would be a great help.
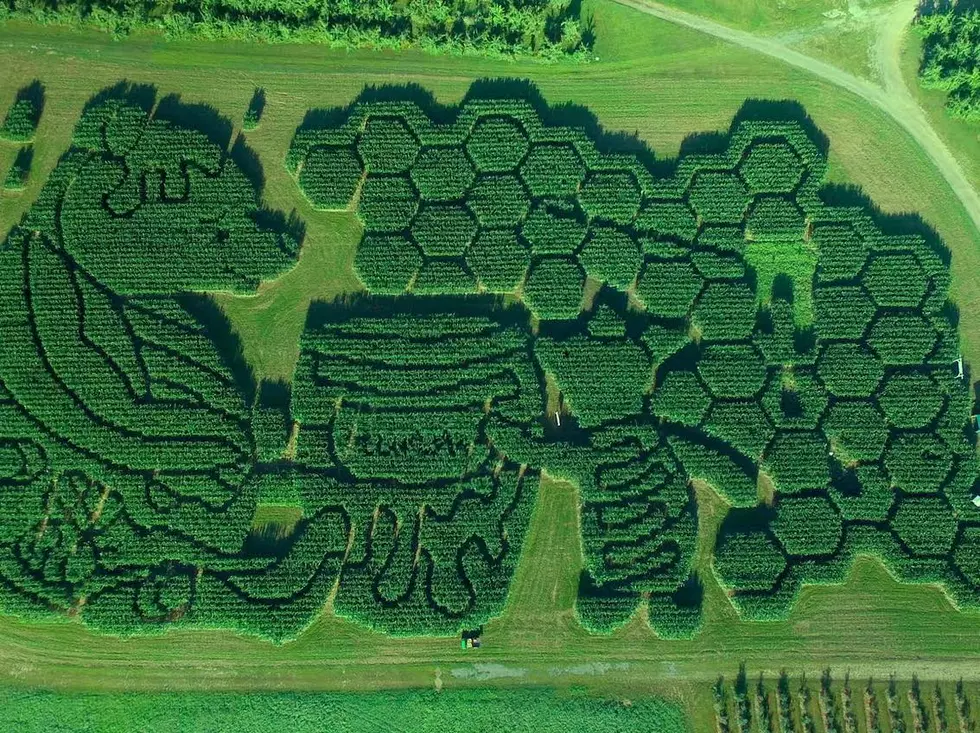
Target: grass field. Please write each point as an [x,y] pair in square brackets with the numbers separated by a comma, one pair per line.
[543,710]
[654,80]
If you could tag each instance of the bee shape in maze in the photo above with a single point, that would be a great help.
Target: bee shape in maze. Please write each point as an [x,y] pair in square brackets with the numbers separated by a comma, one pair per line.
[534,307]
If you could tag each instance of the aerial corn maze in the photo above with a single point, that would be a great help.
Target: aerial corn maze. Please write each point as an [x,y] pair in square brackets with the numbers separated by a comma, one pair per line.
[533,304]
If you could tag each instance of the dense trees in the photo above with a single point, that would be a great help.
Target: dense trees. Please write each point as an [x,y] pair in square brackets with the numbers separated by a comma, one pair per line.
[549,28]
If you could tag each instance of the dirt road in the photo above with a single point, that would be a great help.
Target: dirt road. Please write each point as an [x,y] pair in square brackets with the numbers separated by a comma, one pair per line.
[892,97]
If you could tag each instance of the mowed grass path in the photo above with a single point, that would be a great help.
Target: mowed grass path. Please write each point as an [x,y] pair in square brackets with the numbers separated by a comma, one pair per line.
[658,81]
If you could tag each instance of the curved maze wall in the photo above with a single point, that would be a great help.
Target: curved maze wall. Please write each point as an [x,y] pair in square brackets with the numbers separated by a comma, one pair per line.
[700,326]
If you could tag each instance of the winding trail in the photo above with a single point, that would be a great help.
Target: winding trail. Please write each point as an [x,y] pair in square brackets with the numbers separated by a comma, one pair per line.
[892,97]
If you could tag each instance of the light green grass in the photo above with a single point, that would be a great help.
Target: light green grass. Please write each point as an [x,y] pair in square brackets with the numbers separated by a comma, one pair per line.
[470,711]
[774,15]
[658,82]
[795,260]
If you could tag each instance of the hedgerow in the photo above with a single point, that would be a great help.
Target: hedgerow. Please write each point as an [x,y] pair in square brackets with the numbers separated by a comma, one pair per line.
[499,29]
[135,448]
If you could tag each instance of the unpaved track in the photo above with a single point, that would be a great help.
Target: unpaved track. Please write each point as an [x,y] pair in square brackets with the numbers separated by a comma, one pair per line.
[893,97]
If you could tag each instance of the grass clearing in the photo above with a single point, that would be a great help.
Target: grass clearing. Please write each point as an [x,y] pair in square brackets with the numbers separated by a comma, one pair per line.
[792,260]
[660,84]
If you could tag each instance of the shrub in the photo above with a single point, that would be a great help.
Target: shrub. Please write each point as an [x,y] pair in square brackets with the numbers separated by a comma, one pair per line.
[910,400]
[499,260]
[719,198]
[856,430]
[442,173]
[611,196]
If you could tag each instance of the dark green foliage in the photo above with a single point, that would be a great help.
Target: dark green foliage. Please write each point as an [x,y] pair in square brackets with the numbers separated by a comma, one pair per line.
[610,255]
[719,198]
[669,288]
[732,370]
[554,288]
[681,398]
[497,144]
[498,259]
[442,174]
[502,29]
[774,217]
[386,264]
[442,276]
[864,494]
[553,170]
[902,338]
[253,115]
[330,176]
[842,312]
[798,461]
[742,424]
[725,311]
[418,421]
[925,524]
[795,400]
[857,431]
[730,478]
[387,145]
[611,196]
[600,380]
[443,229]
[807,525]
[771,168]
[850,370]
[949,57]
[554,227]
[910,400]
[667,219]
[679,614]
[606,323]
[748,560]
[918,463]
[841,252]
[20,170]
[895,280]
[387,203]
[498,200]
[24,114]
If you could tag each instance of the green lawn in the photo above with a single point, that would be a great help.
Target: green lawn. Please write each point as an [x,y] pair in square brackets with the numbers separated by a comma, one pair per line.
[652,80]
[770,16]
